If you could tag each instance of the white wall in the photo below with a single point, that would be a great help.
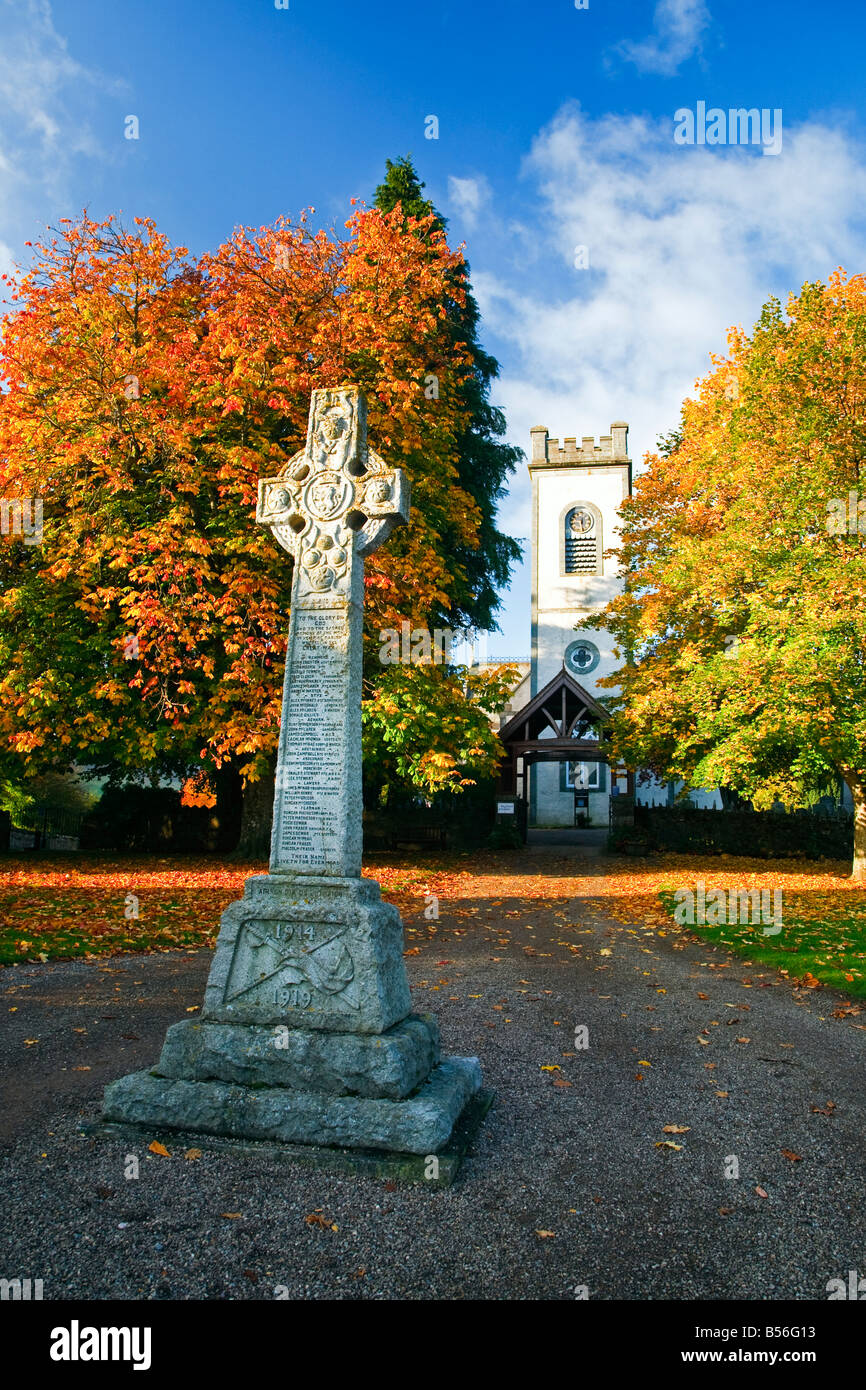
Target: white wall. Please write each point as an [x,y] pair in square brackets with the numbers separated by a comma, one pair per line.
[564,599]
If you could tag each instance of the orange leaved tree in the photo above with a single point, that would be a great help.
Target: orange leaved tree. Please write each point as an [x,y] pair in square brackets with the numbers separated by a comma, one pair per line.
[743,617]
[144,395]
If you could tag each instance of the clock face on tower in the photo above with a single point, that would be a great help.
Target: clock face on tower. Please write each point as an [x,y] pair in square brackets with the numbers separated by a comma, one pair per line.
[581,657]
[581,521]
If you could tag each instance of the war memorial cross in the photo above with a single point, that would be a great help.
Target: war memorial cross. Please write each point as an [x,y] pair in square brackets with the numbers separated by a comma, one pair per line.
[330,505]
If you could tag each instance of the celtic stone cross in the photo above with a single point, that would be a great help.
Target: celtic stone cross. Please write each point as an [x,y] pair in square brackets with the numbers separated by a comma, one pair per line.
[306,1035]
[333,503]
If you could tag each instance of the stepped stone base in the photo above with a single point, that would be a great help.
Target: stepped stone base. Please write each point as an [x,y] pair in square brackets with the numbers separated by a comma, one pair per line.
[420,1124]
[386,1164]
[305,1036]
[376,1065]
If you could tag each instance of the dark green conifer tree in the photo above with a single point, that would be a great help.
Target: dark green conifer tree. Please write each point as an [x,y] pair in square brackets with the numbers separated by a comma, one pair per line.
[485,460]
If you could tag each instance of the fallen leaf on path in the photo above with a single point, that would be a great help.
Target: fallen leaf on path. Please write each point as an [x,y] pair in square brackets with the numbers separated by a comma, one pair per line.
[546,1235]
[668,1144]
[760,1191]
[317,1219]
[193,1153]
[157,1148]
[675,1129]
[789,1153]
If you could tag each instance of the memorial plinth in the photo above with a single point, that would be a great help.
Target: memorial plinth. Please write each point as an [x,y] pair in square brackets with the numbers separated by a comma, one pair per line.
[306,1034]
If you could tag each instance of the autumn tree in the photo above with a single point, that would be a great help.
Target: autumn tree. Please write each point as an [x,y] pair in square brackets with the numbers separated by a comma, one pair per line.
[145,394]
[428,727]
[742,616]
[111,626]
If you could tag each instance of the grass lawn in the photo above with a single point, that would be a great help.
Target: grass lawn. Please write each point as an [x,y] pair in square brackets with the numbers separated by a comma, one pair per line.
[52,908]
[822,941]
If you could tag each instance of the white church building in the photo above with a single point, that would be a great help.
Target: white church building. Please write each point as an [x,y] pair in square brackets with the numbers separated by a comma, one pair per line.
[550,725]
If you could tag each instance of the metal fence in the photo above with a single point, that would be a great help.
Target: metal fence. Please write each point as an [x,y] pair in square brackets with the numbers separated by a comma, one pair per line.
[45,827]
[621,811]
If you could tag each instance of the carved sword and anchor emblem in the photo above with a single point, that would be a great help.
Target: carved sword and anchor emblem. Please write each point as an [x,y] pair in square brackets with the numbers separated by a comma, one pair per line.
[325,964]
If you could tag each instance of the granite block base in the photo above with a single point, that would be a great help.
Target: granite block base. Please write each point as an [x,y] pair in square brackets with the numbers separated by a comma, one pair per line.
[384,1164]
[388,1065]
[419,1124]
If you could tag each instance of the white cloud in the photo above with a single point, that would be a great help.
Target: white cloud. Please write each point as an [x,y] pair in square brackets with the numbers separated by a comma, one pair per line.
[467,197]
[678,29]
[45,96]
[683,243]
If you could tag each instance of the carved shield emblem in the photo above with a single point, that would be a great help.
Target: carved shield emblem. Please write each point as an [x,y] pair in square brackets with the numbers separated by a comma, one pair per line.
[328,495]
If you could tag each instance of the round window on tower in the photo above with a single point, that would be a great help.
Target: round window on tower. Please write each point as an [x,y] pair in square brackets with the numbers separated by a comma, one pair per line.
[581,657]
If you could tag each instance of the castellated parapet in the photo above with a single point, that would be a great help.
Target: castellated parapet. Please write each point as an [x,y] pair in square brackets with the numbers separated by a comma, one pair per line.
[611,448]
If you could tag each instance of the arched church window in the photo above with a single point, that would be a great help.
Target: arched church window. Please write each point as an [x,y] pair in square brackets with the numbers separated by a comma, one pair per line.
[582,551]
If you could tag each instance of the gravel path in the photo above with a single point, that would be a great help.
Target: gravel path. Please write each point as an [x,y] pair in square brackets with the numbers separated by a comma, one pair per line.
[572,1152]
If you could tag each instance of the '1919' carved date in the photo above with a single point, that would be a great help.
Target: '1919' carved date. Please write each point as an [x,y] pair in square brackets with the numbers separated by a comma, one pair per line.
[292,997]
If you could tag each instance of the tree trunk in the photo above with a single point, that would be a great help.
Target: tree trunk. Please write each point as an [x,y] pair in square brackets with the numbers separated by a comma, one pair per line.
[857,788]
[256,816]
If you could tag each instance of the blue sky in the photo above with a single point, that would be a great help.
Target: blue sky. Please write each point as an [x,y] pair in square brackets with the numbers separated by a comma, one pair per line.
[555,131]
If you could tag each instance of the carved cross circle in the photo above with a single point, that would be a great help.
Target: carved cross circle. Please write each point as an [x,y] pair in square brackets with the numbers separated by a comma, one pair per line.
[336,499]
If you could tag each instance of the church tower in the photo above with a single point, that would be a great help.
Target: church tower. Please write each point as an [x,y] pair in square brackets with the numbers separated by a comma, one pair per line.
[576,495]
